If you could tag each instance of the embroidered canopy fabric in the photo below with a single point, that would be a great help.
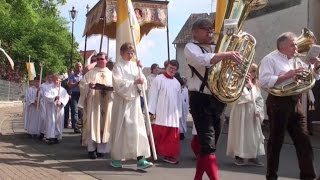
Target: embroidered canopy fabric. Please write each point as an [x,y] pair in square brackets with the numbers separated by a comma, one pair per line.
[150,14]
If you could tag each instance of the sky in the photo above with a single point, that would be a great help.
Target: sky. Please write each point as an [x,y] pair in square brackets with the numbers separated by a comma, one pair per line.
[153,47]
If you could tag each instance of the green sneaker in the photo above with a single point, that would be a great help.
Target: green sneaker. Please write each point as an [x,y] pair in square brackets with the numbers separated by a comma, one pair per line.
[143,164]
[116,164]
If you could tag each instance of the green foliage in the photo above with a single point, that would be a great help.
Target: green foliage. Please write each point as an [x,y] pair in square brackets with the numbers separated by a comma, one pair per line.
[35,28]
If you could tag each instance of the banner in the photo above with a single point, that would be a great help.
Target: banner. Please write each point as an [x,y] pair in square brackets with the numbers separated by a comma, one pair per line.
[124,27]
[31,71]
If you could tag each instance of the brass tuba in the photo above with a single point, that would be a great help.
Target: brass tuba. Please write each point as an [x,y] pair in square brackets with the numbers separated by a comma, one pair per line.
[227,79]
[303,81]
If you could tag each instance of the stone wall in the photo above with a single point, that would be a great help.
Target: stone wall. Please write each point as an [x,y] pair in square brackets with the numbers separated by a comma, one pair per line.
[10,91]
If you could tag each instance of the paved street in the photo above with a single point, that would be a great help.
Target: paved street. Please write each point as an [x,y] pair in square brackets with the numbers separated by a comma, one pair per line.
[22,157]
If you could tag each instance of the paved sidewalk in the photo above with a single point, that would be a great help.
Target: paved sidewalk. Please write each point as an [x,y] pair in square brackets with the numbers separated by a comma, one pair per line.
[23,162]
[22,157]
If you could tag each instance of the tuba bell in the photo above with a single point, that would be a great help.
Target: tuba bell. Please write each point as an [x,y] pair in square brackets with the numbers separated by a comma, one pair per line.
[227,79]
[305,40]
[304,80]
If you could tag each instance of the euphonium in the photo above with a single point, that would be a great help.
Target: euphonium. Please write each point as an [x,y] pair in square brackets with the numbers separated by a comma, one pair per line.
[227,79]
[303,81]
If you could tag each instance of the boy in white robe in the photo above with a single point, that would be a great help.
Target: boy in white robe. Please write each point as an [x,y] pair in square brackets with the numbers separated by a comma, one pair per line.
[165,107]
[129,138]
[33,115]
[245,137]
[55,98]
[96,104]
[44,87]
[185,108]
[154,73]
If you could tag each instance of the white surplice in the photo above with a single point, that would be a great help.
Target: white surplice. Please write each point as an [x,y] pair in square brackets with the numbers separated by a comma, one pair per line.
[44,87]
[32,114]
[55,113]
[128,131]
[165,101]
[96,105]
[245,138]
[150,79]
[185,110]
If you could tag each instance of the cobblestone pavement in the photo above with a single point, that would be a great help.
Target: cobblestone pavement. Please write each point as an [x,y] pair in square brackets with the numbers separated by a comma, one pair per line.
[23,162]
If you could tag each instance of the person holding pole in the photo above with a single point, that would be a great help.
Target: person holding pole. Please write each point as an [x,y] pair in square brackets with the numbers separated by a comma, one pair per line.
[44,87]
[128,137]
[33,116]
[56,98]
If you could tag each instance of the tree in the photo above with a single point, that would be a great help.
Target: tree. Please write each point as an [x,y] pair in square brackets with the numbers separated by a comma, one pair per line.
[35,28]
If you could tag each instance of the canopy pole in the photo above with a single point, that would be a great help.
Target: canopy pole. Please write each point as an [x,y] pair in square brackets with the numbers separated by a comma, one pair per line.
[85,43]
[108,43]
[168,47]
[103,29]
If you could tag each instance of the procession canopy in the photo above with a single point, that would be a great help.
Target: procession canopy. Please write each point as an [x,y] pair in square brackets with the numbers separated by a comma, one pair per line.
[150,14]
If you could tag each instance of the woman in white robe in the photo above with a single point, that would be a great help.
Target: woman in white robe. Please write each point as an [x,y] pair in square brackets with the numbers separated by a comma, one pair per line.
[245,137]
[128,136]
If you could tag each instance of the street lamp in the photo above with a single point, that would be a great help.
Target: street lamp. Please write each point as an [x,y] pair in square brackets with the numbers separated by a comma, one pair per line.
[73,17]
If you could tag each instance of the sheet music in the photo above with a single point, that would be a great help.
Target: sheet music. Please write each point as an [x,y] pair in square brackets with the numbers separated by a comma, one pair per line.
[313,52]
[230,26]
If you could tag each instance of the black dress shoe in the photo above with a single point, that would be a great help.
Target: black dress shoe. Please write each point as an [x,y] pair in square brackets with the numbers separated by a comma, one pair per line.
[182,137]
[56,141]
[41,136]
[92,155]
[51,141]
[99,155]
[77,131]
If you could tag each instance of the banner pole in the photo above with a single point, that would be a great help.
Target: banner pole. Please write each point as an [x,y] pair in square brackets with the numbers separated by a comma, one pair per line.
[153,149]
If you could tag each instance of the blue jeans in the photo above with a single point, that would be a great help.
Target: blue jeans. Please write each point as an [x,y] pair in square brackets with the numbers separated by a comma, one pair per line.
[75,113]
[66,113]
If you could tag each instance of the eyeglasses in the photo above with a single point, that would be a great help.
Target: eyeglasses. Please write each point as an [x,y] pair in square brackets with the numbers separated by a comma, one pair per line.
[172,68]
[206,28]
[100,59]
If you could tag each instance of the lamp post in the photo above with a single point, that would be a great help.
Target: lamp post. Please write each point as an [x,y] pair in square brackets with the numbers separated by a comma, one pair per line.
[73,17]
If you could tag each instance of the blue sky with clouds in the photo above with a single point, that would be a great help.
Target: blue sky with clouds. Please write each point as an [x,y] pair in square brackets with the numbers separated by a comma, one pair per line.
[153,47]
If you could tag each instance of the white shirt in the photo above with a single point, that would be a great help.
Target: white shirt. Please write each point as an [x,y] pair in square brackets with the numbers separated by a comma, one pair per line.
[199,60]
[275,64]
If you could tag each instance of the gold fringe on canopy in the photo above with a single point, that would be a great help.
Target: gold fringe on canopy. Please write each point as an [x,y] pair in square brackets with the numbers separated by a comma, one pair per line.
[150,14]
